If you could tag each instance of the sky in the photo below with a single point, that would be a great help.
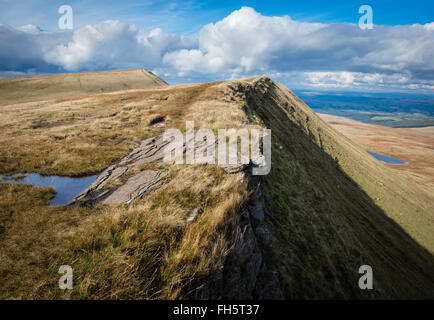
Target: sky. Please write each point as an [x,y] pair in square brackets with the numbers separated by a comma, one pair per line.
[316,45]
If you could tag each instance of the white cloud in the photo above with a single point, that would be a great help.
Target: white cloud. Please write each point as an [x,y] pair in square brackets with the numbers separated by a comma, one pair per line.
[96,46]
[358,80]
[330,79]
[245,43]
[429,26]
[22,49]
[114,44]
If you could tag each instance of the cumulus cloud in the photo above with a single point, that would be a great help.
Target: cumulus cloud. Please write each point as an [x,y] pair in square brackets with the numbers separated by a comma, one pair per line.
[107,45]
[244,43]
[114,44]
[247,41]
[23,49]
[98,46]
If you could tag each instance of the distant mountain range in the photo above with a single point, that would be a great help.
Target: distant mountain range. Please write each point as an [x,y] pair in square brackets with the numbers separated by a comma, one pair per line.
[398,110]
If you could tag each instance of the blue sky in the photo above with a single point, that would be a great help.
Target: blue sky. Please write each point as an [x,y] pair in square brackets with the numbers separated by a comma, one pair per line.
[189,16]
[304,44]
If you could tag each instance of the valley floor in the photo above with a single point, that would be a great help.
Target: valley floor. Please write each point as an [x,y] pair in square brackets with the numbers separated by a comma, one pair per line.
[414,145]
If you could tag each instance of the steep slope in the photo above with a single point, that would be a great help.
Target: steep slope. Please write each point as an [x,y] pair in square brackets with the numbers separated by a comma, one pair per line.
[59,86]
[333,208]
[302,231]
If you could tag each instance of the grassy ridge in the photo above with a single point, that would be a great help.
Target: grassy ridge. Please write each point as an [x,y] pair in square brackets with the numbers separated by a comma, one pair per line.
[325,224]
[60,86]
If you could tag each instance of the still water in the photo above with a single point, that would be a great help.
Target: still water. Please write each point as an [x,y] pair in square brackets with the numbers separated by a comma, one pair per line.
[387,159]
[66,187]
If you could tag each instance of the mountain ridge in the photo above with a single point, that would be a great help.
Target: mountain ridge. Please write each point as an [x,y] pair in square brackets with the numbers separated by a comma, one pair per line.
[66,85]
[328,207]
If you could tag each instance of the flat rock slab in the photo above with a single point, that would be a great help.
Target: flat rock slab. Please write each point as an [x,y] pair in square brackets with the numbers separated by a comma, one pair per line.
[150,150]
[111,173]
[135,187]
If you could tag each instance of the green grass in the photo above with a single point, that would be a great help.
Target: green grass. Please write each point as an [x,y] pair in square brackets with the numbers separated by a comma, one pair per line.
[324,224]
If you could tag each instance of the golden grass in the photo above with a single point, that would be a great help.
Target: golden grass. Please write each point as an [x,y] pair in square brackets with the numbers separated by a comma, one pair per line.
[145,250]
[78,137]
[413,145]
[60,86]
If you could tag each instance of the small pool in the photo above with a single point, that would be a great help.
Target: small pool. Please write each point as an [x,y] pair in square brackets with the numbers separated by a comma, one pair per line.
[387,159]
[66,187]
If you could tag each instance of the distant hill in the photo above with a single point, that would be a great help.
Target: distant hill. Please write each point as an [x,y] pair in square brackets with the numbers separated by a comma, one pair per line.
[66,85]
[396,110]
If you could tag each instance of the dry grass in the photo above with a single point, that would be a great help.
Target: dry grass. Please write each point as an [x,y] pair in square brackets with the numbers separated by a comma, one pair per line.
[145,250]
[61,86]
[81,136]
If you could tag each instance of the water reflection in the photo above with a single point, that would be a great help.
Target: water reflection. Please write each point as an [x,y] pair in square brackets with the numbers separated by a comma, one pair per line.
[387,159]
[66,187]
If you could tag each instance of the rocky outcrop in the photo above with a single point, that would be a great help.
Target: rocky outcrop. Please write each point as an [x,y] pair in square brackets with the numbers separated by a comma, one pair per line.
[248,272]
[105,189]
[135,187]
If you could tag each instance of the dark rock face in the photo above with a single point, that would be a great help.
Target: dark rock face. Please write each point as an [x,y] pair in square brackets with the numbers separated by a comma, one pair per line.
[155,120]
[246,273]
[192,215]
[257,211]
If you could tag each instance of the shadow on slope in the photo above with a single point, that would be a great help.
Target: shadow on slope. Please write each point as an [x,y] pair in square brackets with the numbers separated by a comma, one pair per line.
[324,225]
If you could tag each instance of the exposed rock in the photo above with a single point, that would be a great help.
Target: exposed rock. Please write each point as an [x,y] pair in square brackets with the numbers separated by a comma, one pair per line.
[192,215]
[263,234]
[135,187]
[245,274]
[268,286]
[235,168]
[111,173]
[257,211]
[150,150]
